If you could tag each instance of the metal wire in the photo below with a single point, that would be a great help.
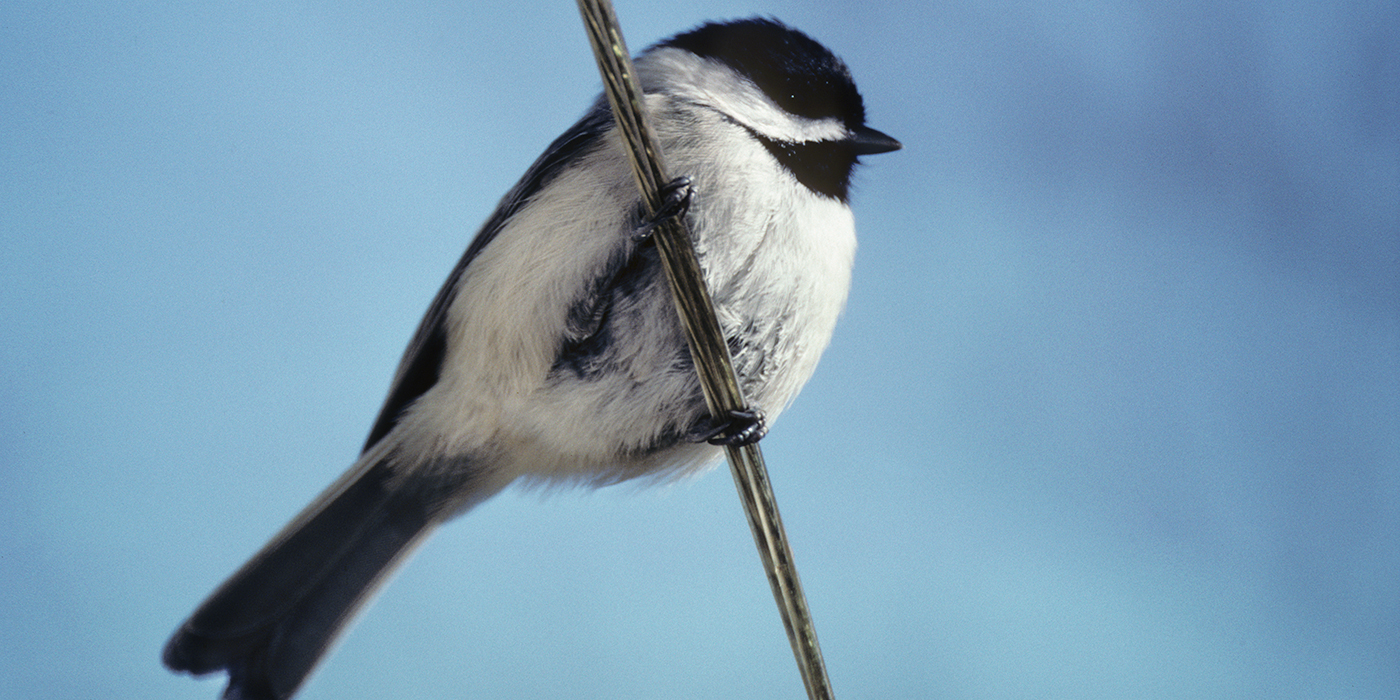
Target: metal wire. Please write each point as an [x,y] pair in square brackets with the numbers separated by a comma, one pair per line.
[708,347]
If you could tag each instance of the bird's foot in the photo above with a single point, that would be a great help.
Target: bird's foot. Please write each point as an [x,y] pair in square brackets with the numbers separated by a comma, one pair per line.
[740,427]
[675,202]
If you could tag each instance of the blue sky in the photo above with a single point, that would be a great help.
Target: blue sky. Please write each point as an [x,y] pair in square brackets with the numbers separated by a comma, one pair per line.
[1114,410]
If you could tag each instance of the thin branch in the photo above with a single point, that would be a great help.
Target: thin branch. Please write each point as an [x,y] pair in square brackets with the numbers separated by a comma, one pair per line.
[708,347]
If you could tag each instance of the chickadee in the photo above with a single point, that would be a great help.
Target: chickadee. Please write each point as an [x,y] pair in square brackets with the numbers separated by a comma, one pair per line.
[554,352]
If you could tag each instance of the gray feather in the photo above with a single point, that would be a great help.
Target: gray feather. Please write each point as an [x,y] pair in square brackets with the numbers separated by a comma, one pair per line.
[272,621]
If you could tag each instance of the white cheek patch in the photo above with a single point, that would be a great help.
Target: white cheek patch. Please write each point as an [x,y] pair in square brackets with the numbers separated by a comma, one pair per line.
[714,85]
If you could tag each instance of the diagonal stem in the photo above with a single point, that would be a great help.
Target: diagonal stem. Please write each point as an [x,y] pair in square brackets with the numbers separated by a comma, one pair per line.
[708,347]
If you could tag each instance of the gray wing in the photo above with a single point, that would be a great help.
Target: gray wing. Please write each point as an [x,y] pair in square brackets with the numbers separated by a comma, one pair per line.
[422,362]
[272,621]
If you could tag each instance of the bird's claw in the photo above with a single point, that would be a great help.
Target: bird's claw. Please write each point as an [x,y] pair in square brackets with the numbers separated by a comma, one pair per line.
[675,202]
[740,427]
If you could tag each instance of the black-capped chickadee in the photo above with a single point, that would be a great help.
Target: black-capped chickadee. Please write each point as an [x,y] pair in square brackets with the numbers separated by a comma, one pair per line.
[554,351]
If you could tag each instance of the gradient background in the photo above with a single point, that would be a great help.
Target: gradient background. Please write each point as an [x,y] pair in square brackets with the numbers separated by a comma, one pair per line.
[1114,411]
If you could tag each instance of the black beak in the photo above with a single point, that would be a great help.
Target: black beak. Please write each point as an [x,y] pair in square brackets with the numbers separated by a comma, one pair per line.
[868,141]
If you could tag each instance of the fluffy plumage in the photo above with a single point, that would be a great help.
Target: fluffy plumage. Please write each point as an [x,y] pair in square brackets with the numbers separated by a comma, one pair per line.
[553,353]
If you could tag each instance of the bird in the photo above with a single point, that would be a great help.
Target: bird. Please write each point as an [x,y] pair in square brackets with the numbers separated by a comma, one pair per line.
[554,353]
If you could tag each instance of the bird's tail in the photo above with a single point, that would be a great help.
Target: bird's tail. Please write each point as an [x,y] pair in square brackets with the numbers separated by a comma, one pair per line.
[271,622]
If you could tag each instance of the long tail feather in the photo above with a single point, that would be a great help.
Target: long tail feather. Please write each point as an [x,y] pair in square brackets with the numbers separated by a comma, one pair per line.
[271,622]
